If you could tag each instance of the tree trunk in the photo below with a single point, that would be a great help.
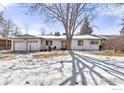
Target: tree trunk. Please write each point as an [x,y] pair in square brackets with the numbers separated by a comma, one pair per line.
[6,44]
[68,43]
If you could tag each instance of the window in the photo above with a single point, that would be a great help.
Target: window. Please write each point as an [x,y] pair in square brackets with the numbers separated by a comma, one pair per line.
[80,42]
[18,41]
[48,42]
[33,41]
[51,43]
[94,42]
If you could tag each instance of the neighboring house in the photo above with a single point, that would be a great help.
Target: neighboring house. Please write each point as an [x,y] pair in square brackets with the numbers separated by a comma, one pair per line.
[107,36]
[111,42]
[122,31]
[36,43]
[115,43]
[104,39]
[5,44]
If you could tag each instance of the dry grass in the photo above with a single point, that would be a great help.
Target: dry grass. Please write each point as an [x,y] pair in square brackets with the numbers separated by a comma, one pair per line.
[47,55]
[6,57]
[2,57]
[109,53]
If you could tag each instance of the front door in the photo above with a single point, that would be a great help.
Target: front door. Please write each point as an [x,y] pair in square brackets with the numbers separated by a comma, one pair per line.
[63,45]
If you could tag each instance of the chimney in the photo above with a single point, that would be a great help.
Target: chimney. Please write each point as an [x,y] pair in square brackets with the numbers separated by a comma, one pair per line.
[57,33]
[64,33]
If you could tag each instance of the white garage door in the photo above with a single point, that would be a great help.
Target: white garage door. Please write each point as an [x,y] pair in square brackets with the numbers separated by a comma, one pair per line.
[19,46]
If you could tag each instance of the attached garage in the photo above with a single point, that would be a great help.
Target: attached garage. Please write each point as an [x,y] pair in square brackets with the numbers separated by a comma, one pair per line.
[26,43]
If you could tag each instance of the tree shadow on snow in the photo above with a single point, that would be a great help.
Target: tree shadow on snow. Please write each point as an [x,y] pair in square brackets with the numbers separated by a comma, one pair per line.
[80,62]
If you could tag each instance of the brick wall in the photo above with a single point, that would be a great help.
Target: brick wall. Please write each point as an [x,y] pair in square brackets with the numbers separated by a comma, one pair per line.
[5,44]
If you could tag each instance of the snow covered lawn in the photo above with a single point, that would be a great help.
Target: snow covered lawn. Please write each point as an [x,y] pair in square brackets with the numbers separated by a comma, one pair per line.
[75,68]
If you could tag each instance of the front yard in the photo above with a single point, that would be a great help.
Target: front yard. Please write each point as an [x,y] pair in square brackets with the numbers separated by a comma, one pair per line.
[62,68]
[109,53]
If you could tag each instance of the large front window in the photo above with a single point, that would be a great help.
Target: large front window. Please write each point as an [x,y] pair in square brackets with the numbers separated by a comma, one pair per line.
[80,43]
[48,42]
[94,42]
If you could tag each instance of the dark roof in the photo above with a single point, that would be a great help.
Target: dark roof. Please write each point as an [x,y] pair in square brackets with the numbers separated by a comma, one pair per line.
[107,36]
[110,36]
[120,37]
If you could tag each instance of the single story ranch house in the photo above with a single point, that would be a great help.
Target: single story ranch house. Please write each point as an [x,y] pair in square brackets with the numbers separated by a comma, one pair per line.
[36,43]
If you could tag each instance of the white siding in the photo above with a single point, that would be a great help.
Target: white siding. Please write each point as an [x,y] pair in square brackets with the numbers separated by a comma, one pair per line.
[86,45]
[43,45]
[94,46]
[57,43]
[74,45]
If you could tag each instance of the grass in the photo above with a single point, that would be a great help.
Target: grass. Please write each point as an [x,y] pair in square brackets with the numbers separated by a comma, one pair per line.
[109,53]
[2,57]
[47,55]
[6,57]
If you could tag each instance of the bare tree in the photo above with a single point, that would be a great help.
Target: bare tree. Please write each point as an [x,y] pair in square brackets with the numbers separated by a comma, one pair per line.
[16,31]
[1,21]
[70,15]
[8,27]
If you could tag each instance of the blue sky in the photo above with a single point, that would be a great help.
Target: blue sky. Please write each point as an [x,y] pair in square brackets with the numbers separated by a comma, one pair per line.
[107,21]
